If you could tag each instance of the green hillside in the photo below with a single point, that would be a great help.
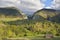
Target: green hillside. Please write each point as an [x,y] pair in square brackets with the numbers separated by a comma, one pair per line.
[11,13]
[47,14]
[45,21]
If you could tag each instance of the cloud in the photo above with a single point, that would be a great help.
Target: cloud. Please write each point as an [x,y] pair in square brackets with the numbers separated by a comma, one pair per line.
[31,5]
[56,4]
[6,3]
[24,5]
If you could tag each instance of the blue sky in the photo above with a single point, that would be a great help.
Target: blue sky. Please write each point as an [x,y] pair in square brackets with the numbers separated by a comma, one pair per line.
[47,2]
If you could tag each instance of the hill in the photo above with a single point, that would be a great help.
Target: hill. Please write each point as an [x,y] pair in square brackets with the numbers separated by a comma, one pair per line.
[47,14]
[12,13]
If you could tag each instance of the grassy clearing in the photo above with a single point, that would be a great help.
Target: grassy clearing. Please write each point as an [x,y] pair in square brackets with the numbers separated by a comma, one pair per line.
[32,38]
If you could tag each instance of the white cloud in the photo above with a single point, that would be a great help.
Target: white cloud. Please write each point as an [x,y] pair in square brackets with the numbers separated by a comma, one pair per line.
[31,5]
[56,4]
[7,3]
[24,5]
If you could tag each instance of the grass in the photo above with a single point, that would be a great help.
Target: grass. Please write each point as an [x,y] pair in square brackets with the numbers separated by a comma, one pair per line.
[19,25]
[38,38]
[10,19]
[32,38]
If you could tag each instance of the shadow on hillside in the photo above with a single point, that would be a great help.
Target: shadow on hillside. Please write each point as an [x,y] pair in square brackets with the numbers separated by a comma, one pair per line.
[9,12]
[25,21]
[55,19]
[17,22]
[51,19]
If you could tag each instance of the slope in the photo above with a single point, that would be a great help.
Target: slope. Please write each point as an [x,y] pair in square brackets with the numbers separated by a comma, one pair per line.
[11,13]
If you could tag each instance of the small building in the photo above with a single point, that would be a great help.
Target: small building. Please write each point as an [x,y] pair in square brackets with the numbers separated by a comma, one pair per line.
[48,36]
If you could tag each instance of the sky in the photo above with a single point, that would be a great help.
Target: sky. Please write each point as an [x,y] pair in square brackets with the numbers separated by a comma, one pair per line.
[47,2]
[31,6]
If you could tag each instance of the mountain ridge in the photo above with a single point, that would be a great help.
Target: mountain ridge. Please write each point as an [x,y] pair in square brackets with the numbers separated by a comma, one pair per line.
[47,14]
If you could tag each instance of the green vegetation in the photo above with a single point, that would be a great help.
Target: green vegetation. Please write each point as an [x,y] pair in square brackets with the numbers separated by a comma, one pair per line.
[36,27]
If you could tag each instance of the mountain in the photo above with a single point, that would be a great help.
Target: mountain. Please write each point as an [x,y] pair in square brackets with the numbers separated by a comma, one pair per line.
[42,22]
[11,12]
[47,14]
